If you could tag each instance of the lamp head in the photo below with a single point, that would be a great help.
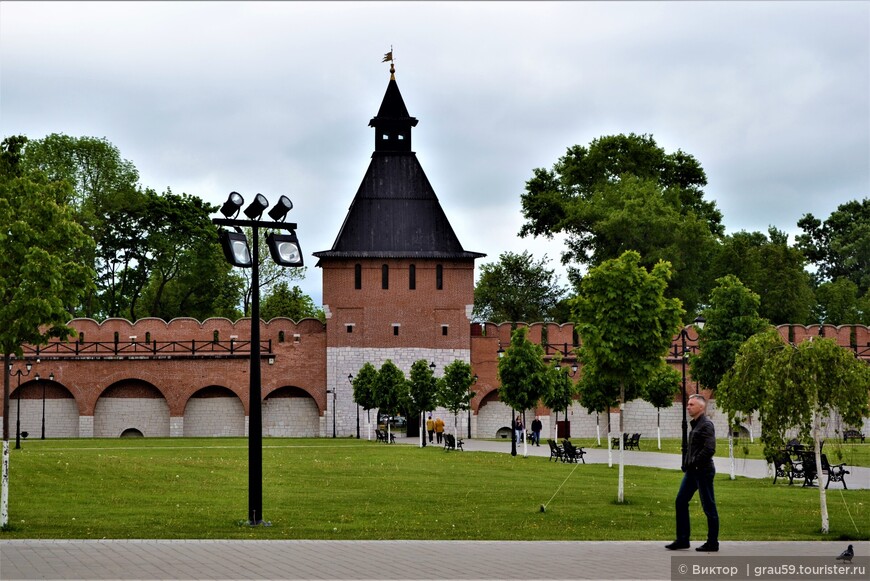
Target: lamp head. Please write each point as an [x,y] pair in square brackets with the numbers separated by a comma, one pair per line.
[231,207]
[700,321]
[255,209]
[281,209]
[235,247]
[285,249]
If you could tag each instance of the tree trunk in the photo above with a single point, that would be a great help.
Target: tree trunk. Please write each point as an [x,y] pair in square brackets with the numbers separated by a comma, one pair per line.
[597,427]
[620,495]
[609,443]
[823,501]
[731,448]
[525,446]
[422,429]
[659,426]
[4,493]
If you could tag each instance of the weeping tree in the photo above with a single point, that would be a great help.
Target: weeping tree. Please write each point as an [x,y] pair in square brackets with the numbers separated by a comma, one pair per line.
[523,375]
[796,387]
[454,389]
[422,393]
[660,391]
[364,389]
[626,324]
[560,396]
[731,319]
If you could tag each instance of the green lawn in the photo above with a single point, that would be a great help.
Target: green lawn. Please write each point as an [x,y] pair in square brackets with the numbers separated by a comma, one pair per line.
[853,454]
[349,489]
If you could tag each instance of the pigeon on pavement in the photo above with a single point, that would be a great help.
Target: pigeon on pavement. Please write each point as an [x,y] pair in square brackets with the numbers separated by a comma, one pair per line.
[846,556]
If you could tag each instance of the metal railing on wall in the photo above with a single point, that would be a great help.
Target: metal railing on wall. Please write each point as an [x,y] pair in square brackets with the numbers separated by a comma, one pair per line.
[147,349]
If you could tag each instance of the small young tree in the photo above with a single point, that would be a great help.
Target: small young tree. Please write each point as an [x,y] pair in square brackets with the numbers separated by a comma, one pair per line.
[797,386]
[660,391]
[423,393]
[731,319]
[454,389]
[626,324]
[364,389]
[391,390]
[560,396]
[523,375]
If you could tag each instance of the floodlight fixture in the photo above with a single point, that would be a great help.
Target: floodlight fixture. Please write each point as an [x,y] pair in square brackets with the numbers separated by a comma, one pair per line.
[281,209]
[235,246]
[285,249]
[255,209]
[230,209]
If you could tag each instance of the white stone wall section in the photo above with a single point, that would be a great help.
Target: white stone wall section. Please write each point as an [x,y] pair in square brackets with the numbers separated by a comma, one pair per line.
[113,415]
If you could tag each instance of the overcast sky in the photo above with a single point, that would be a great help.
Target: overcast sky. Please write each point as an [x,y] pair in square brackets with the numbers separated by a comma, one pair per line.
[275,97]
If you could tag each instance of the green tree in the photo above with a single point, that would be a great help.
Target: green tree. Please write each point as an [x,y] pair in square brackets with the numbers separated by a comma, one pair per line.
[837,303]
[839,247]
[660,390]
[772,269]
[364,387]
[423,393]
[390,390]
[562,390]
[292,303]
[522,373]
[42,276]
[795,387]
[454,389]
[626,325]
[516,288]
[624,192]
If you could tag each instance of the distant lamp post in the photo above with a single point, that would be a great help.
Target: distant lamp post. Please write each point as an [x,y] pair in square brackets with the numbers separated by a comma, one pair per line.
[500,353]
[684,336]
[350,380]
[18,373]
[332,391]
[51,379]
[285,251]
[473,381]
[572,373]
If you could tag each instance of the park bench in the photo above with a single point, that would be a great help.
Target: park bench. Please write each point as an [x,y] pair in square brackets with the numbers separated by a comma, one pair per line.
[836,472]
[852,435]
[628,442]
[784,467]
[556,451]
[808,467]
[381,436]
[571,452]
[453,443]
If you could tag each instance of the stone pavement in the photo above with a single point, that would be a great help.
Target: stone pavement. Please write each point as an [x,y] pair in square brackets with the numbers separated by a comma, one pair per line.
[388,560]
[424,560]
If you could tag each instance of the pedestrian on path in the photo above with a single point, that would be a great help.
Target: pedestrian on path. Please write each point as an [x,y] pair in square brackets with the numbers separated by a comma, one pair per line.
[430,427]
[699,472]
[537,426]
[439,429]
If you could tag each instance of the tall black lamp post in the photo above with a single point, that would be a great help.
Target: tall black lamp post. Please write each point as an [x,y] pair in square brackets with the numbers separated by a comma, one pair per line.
[332,391]
[513,413]
[684,336]
[18,373]
[350,381]
[51,379]
[473,381]
[285,251]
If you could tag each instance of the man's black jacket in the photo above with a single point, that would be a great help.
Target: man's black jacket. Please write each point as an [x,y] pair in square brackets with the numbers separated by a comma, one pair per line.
[702,445]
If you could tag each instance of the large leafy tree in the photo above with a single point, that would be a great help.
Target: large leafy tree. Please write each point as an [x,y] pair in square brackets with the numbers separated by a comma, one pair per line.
[422,392]
[771,268]
[624,192]
[839,247]
[795,387]
[516,288]
[626,324]
[523,373]
[42,277]
[284,301]
[838,303]
[454,389]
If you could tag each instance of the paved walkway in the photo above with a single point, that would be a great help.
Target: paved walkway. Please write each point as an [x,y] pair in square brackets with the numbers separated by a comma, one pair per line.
[424,560]
[363,560]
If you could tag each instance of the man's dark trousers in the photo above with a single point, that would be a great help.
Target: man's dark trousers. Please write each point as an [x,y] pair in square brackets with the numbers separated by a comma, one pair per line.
[701,481]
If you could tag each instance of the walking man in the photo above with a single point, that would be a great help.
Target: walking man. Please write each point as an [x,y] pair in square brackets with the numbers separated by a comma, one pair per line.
[699,472]
[537,426]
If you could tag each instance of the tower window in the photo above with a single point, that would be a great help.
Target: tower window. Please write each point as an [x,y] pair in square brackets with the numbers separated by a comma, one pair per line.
[401,137]
[357,276]
[385,136]
[444,330]
[385,277]
[439,277]
[349,327]
[395,329]
[412,277]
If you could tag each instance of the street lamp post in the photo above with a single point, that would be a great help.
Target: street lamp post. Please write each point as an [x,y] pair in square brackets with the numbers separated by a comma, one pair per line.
[285,251]
[350,380]
[332,391]
[572,373]
[500,353]
[473,381]
[50,378]
[18,373]
[684,336]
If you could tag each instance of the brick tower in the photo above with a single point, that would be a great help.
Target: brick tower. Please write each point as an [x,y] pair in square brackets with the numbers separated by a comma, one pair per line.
[397,283]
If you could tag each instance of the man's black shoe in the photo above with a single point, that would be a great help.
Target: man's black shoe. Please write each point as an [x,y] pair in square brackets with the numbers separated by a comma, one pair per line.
[677,545]
[708,548]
